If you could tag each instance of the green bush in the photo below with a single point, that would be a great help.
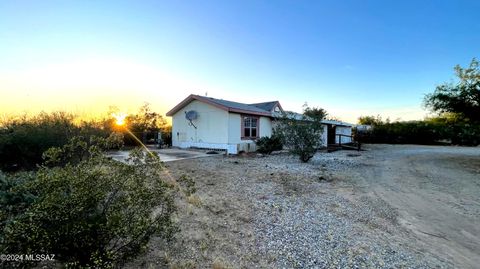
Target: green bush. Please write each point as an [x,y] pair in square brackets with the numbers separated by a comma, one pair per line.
[23,140]
[438,130]
[465,134]
[145,125]
[80,148]
[266,145]
[461,97]
[91,212]
[187,185]
[301,134]
[13,199]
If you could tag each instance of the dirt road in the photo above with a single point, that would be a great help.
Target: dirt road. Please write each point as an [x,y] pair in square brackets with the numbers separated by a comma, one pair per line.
[436,191]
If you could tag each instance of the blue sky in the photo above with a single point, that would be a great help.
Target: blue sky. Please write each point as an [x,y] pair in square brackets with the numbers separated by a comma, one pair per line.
[351,57]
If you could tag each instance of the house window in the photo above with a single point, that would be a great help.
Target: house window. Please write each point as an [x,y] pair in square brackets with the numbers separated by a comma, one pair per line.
[250,127]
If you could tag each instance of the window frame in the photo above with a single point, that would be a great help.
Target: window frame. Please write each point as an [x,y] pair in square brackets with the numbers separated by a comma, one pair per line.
[242,127]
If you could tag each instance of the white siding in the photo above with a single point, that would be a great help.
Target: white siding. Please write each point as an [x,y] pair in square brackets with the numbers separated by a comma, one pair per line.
[345,131]
[234,128]
[265,127]
[212,125]
[235,132]
[324,136]
[216,129]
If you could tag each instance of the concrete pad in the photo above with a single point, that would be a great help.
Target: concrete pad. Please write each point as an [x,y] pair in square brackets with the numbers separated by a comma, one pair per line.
[166,155]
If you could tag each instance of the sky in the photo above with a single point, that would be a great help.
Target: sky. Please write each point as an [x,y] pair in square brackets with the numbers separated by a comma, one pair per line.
[352,58]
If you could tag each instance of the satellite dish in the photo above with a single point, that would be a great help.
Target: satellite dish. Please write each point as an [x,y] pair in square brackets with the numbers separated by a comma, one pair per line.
[191,115]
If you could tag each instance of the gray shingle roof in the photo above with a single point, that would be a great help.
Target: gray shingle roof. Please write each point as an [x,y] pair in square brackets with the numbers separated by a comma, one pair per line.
[262,109]
[230,106]
[268,106]
[236,105]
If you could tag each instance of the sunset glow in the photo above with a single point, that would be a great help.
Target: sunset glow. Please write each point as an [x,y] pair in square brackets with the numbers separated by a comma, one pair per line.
[120,118]
[349,58]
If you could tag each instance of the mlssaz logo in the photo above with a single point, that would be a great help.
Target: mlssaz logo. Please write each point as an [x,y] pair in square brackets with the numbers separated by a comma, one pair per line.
[40,257]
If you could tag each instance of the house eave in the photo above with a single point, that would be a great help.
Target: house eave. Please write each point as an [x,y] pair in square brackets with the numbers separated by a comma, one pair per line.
[338,123]
[249,112]
[192,97]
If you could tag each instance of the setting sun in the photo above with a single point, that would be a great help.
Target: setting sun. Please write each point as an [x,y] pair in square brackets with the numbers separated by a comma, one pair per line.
[119,118]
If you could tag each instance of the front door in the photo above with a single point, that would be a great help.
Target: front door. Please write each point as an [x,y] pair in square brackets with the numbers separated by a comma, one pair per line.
[331,130]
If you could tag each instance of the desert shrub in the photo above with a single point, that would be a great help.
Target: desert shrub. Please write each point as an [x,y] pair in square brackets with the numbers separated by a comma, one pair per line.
[266,145]
[194,200]
[145,125]
[401,133]
[23,140]
[146,120]
[461,97]
[301,134]
[93,212]
[427,132]
[13,199]
[465,134]
[187,184]
[94,128]
[80,148]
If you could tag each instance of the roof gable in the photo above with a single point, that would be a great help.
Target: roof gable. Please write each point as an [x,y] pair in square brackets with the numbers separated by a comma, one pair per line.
[229,106]
[268,106]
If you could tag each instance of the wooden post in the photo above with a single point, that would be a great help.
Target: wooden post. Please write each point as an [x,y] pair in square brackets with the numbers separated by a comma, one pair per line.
[144,137]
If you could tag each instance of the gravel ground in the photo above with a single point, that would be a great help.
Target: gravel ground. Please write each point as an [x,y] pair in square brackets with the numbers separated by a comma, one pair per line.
[276,212]
[309,227]
[306,234]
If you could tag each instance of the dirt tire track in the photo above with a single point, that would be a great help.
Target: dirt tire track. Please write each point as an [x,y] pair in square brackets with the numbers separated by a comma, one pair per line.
[436,192]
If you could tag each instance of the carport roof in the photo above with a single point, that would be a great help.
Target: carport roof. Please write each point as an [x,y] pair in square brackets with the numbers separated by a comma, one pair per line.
[298,116]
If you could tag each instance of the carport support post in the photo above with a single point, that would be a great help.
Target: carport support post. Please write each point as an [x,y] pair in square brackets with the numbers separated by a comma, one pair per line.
[144,137]
[159,140]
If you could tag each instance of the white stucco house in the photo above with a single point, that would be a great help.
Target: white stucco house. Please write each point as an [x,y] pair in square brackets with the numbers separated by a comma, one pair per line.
[210,123]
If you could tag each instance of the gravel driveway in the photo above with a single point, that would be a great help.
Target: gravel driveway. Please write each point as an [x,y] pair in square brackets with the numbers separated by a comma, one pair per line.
[436,192]
[388,207]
